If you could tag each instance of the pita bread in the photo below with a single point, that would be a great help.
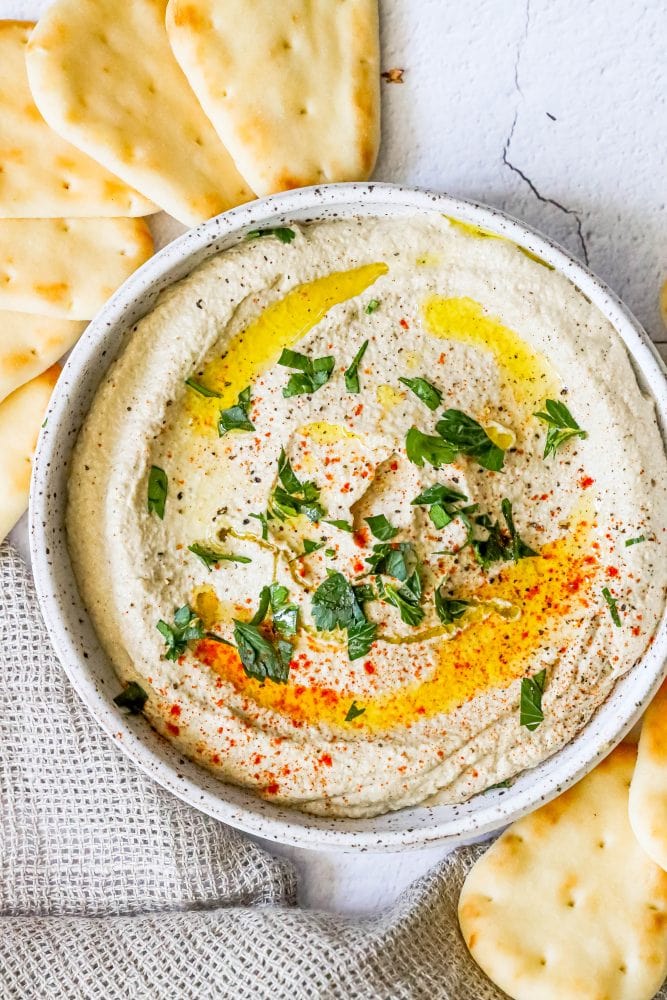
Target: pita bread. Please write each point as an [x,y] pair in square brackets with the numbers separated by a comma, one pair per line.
[103,76]
[292,88]
[21,416]
[648,791]
[67,268]
[31,344]
[566,903]
[43,176]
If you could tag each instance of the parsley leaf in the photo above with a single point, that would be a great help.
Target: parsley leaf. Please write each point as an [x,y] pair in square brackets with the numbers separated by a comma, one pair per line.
[353,712]
[294,497]
[449,609]
[441,501]
[187,626]
[158,486]
[404,599]
[372,306]
[520,550]
[310,546]
[465,435]
[133,698]
[532,689]
[236,417]
[203,390]
[341,525]
[393,559]
[422,447]
[352,373]
[611,604]
[381,528]
[360,638]
[634,541]
[335,604]
[211,557]
[283,233]
[562,426]
[500,546]
[425,391]
[285,615]
[264,524]
[261,658]
[312,373]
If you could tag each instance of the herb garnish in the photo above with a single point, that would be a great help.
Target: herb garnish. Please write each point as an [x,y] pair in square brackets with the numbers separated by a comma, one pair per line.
[406,599]
[465,435]
[158,486]
[261,658]
[561,423]
[353,712]
[500,546]
[133,698]
[360,638]
[532,689]
[381,528]
[426,391]
[372,306]
[187,627]
[294,497]
[341,525]
[422,447]
[352,373]
[441,501]
[264,523]
[449,609]
[311,374]
[337,604]
[611,604]
[203,390]
[634,541]
[310,546]
[236,417]
[393,559]
[283,233]
[211,557]
[285,615]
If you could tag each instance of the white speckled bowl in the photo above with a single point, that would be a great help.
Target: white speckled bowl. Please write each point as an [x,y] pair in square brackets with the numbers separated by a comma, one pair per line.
[73,635]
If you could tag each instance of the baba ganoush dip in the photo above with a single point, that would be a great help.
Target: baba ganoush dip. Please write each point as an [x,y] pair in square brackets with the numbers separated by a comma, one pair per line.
[370,512]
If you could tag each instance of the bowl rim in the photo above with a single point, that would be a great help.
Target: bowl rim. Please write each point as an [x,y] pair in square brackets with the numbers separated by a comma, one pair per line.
[421,826]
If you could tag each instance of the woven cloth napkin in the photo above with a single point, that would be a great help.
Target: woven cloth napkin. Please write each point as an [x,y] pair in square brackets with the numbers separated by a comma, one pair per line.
[111,888]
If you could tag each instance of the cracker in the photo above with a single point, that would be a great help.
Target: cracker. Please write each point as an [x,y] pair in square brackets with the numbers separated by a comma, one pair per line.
[21,416]
[67,268]
[292,88]
[104,77]
[30,344]
[566,903]
[43,176]
[648,791]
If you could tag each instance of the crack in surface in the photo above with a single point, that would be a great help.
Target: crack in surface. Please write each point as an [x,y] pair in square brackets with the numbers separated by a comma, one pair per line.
[517,170]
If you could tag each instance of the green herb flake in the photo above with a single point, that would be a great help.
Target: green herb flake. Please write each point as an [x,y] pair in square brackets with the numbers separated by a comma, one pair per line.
[612,605]
[261,658]
[293,497]
[282,233]
[405,600]
[634,541]
[310,546]
[425,391]
[203,390]
[133,698]
[330,553]
[532,689]
[562,426]
[467,437]
[264,524]
[500,546]
[335,604]
[211,557]
[158,486]
[372,306]
[341,525]
[381,528]
[236,417]
[352,373]
[353,712]
[187,627]
[360,638]
[311,375]
[422,448]
[448,609]
[397,559]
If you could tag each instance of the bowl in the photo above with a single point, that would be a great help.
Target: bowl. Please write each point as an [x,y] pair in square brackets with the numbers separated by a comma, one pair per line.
[74,638]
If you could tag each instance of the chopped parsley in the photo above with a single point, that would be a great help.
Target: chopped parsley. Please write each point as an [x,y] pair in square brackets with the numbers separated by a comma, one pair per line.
[500,545]
[422,448]
[467,437]
[448,609]
[352,373]
[381,528]
[442,503]
[187,627]
[562,425]
[311,374]
[211,557]
[293,497]
[405,598]
[264,524]
[532,689]
[634,541]
[261,658]
[612,605]
[397,559]
[341,525]
[203,390]
[158,487]
[133,698]
[282,233]
[372,306]
[353,712]
[337,604]
[310,546]
[236,417]
[360,638]
[425,391]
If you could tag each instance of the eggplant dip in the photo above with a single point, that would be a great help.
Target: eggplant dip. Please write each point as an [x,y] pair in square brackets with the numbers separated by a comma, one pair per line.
[370,512]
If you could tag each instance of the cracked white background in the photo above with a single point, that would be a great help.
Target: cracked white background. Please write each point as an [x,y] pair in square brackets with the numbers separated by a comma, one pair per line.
[554,110]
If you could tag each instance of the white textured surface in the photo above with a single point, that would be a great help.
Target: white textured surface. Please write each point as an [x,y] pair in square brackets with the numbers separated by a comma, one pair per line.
[553,110]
